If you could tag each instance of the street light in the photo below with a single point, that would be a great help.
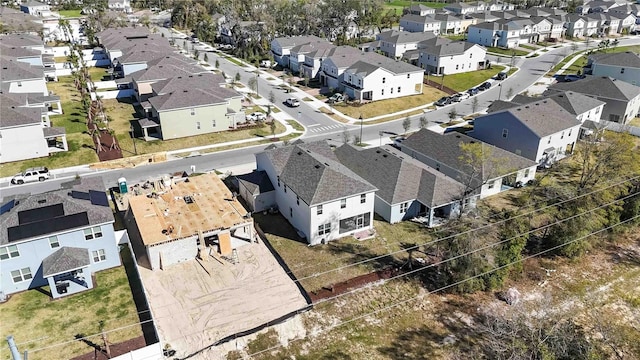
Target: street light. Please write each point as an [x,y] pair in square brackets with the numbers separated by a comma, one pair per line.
[500,92]
[257,84]
[361,123]
[380,133]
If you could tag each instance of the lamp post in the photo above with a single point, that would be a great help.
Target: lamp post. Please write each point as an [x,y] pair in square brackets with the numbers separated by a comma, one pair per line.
[380,133]
[133,138]
[361,123]
[257,84]
[500,92]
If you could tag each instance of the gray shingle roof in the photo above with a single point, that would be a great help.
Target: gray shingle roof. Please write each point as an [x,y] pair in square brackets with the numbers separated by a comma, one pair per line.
[13,70]
[570,101]
[205,81]
[17,51]
[398,177]
[600,86]
[96,214]
[626,59]
[257,182]
[405,37]
[192,97]
[167,67]
[368,62]
[53,131]
[445,149]
[65,259]
[313,172]
[291,41]
[426,19]
[11,116]
[448,48]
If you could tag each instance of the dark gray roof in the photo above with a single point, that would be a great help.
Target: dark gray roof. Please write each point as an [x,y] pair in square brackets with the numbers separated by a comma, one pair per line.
[398,177]
[405,37]
[165,68]
[96,214]
[312,171]
[12,116]
[426,19]
[311,47]
[572,102]
[500,105]
[624,59]
[369,62]
[186,96]
[496,26]
[18,51]
[53,131]
[291,41]
[13,70]
[257,182]
[448,48]
[445,149]
[600,86]
[543,117]
[65,259]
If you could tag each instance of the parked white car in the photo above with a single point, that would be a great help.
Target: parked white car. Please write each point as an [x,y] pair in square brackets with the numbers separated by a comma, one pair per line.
[292,102]
[256,116]
[31,175]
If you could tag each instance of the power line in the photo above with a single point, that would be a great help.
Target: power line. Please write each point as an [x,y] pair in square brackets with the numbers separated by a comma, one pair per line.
[359,317]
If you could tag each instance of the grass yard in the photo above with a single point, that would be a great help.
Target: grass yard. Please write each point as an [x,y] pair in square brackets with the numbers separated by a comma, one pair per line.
[73,117]
[635,122]
[529,47]
[306,260]
[464,81]
[382,107]
[70,13]
[509,52]
[296,125]
[37,322]
[399,5]
[97,73]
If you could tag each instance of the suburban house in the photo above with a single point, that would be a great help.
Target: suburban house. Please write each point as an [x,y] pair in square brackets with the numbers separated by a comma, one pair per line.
[20,77]
[191,105]
[627,22]
[420,23]
[23,40]
[313,59]
[298,53]
[495,34]
[449,24]
[257,190]
[163,68]
[542,131]
[35,8]
[58,239]
[22,54]
[452,57]
[189,218]
[138,58]
[281,47]
[376,77]
[407,188]
[120,5]
[576,25]
[591,26]
[420,10]
[607,24]
[497,5]
[622,99]
[623,66]
[462,8]
[395,43]
[494,171]
[320,197]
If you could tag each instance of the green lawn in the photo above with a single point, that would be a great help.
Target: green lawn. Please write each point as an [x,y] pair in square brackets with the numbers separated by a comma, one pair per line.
[508,52]
[36,321]
[528,47]
[70,13]
[465,81]
[399,5]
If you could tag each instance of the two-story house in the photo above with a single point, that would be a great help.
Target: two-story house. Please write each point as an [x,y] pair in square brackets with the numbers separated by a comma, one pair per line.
[60,239]
[320,197]
[575,25]
[462,8]
[627,22]
[395,43]
[313,60]
[163,68]
[623,66]
[20,77]
[495,171]
[452,57]
[497,5]
[407,188]
[418,23]
[495,34]
[35,8]
[622,99]
[449,24]
[297,56]
[420,10]
[542,131]
[119,5]
[281,47]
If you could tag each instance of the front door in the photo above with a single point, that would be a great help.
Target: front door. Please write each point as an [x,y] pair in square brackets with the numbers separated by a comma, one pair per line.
[360,221]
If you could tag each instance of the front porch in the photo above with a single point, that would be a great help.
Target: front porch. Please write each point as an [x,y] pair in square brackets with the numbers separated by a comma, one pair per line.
[151,130]
[56,138]
[67,271]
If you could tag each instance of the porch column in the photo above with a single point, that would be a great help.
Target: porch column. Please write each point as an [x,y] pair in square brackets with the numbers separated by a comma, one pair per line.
[146,134]
[65,146]
[52,287]
[430,217]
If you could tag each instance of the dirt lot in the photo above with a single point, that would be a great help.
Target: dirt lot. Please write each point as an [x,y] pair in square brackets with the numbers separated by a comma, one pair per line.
[197,303]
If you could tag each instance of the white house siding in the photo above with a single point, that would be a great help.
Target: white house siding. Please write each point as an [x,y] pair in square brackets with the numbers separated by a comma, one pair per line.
[626,74]
[382,84]
[295,60]
[332,74]
[332,213]
[561,141]
[455,64]
[394,50]
[33,251]
[412,26]
[22,143]
[484,37]
[29,86]
[280,55]
[172,252]
[197,120]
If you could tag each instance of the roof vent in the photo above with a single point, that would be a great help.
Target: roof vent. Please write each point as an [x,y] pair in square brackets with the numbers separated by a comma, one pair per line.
[317,166]
[185,90]
[526,107]
[299,152]
[544,101]
[378,151]
[42,201]
[384,155]
[189,199]
[458,136]
[326,164]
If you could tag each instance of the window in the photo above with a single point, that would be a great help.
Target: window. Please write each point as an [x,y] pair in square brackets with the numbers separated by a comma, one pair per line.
[98,255]
[399,89]
[382,91]
[297,200]
[457,66]
[404,207]
[21,275]
[93,233]
[198,125]
[193,111]
[19,83]
[324,229]
[569,132]
[622,71]
[526,173]
[319,210]
[290,212]
[53,242]
[363,198]
[9,252]
[505,133]
[562,135]
[343,203]
[549,141]
[471,56]
[491,184]
[392,90]
[384,80]
[278,181]
[597,111]
[408,76]
[213,123]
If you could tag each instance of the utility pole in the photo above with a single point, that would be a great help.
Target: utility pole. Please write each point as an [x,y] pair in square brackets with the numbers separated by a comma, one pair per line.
[361,123]
[15,354]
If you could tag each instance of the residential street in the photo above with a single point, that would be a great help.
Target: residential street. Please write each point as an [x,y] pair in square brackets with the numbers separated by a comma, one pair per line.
[530,71]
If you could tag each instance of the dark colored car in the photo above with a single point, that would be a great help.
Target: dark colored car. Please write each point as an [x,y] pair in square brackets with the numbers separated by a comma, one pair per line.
[484,86]
[473,91]
[501,75]
[455,98]
[570,78]
[443,101]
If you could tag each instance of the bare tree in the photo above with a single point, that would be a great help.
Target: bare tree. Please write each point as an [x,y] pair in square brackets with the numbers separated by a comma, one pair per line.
[406,124]
[474,105]
[423,121]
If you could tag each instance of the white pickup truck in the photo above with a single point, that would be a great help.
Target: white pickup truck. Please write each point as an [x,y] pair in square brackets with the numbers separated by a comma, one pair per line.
[31,174]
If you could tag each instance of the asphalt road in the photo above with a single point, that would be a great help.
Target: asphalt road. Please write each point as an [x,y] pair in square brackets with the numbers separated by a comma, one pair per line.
[530,71]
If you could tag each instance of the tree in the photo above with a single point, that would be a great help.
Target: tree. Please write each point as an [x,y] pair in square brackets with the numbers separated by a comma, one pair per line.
[206,58]
[305,80]
[574,47]
[478,166]
[237,78]
[272,97]
[423,122]
[453,113]
[217,64]
[253,84]
[509,92]
[474,105]
[406,124]
[272,126]
[345,136]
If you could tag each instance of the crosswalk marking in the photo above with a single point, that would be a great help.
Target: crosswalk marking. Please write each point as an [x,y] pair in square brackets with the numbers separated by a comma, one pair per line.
[325,128]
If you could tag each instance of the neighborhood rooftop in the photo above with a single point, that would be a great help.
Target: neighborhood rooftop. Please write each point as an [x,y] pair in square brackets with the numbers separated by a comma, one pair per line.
[601,86]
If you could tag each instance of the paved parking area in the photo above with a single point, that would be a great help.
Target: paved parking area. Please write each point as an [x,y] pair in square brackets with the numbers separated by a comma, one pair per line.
[197,303]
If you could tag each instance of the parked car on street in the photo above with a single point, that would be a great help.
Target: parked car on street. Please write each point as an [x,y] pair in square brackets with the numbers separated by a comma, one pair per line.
[443,101]
[473,91]
[256,116]
[292,102]
[335,98]
[31,174]
[459,97]
[502,75]
[484,86]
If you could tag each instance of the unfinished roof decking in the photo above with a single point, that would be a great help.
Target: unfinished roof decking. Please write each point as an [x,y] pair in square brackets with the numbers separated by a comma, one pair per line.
[212,208]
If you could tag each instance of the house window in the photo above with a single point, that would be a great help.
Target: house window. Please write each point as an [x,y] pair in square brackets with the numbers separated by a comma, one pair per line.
[471,56]
[278,181]
[392,90]
[213,123]
[622,71]
[297,200]
[614,118]
[19,83]
[285,187]
[198,125]
[21,275]
[290,212]
[384,80]
[399,89]
[505,133]
[526,173]
[457,66]
[562,135]
[98,256]
[597,111]
[93,233]
[363,198]
[324,229]
[569,132]
[319,210]
[343,203]
[382,91]
[549,141]
[491,184]
[359,82]
[193,111]
[53,242]
[408,76]
[9,252]
[404,207]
